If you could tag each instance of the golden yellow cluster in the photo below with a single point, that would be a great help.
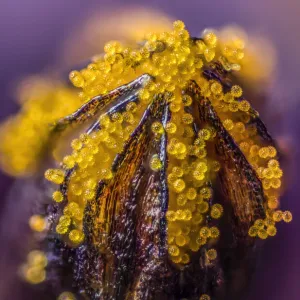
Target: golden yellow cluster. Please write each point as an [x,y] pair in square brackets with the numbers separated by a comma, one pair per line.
[24,136]
[189,170]
[90,152]
[172,59]
[34,269]
[236,117]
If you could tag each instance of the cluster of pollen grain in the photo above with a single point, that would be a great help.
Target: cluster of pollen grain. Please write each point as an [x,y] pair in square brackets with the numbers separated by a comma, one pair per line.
[189,170]
[90,152]
[173,59]
[236,115]
[44,102]
[33,270]
[264,228]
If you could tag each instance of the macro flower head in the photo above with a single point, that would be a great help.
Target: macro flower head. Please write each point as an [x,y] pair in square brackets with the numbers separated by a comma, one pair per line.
[161,172]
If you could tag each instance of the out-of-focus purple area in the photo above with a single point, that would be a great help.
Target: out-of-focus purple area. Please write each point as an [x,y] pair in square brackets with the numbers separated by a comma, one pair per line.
[32,34]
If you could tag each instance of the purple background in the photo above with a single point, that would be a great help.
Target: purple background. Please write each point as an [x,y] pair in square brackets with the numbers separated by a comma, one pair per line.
[31,36]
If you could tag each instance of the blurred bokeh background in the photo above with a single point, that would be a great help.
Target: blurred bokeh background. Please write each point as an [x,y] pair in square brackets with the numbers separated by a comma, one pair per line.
[38,36]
